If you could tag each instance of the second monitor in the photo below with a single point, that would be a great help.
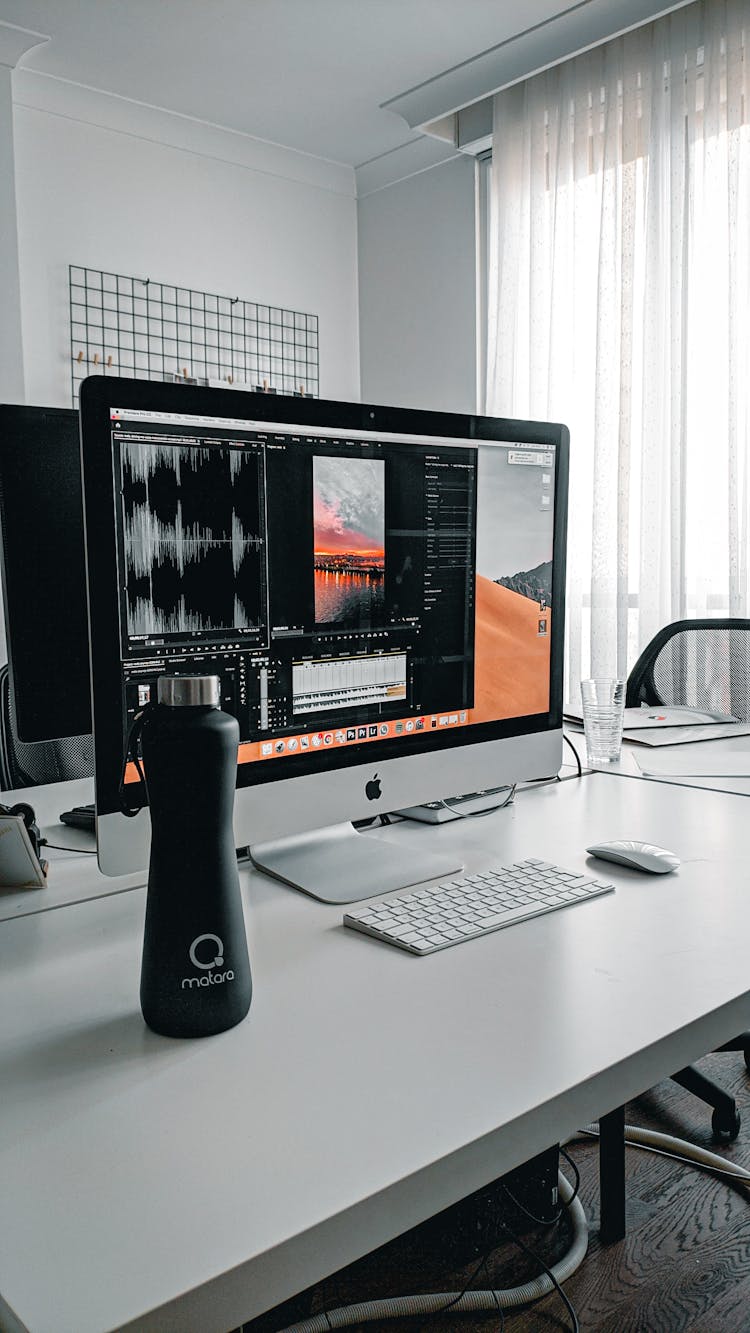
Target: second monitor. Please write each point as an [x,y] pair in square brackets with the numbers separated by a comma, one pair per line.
[43,572]
[380,592]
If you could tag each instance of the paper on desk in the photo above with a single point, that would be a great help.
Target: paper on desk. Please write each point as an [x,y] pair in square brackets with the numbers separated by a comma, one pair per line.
[668,766]
[658,736]
[685,735]
[673,717]
[644,719]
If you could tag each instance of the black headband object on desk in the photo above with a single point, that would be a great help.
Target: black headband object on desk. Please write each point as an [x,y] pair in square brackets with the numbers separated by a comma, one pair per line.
[21,866]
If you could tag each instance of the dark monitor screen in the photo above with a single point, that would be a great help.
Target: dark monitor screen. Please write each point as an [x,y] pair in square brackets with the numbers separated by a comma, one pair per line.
[43,571]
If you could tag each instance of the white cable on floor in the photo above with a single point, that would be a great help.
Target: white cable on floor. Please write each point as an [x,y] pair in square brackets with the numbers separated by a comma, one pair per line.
[672,1147]
[399,1307]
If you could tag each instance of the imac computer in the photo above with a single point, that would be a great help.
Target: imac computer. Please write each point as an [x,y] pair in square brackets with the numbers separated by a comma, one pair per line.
[44,578]
[380,591]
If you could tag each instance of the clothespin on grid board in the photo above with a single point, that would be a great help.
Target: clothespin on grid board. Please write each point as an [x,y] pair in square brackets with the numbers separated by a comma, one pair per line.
[96,360]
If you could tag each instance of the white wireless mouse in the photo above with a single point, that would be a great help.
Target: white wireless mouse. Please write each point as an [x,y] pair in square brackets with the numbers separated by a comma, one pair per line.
[638,855]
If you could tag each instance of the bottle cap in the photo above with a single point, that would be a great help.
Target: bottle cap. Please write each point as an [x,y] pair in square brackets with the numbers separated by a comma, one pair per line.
[189,691]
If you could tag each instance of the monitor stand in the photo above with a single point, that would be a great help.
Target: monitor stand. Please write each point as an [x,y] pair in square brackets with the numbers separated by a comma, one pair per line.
[340,865]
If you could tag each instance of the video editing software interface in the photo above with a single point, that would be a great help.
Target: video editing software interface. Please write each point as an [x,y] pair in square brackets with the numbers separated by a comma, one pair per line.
[346,587]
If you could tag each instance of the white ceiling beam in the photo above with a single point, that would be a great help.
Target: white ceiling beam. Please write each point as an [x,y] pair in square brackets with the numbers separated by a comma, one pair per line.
[575,29]
[15,42]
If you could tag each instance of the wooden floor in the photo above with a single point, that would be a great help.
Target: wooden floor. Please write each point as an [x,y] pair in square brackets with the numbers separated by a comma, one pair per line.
[684,1266]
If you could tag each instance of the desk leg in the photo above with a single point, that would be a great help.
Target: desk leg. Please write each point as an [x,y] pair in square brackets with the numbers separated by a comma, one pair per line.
[612,1175]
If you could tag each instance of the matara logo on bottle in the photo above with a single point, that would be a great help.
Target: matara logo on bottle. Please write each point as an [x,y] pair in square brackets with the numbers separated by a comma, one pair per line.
[200,949]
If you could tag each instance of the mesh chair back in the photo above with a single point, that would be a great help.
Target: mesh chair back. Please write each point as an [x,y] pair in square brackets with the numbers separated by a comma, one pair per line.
[699,663]
[31,765]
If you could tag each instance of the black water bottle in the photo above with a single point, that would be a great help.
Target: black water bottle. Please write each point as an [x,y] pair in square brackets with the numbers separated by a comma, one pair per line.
[195,971]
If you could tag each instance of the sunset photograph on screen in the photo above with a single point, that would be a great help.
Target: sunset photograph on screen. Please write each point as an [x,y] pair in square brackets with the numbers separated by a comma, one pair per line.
[349,540]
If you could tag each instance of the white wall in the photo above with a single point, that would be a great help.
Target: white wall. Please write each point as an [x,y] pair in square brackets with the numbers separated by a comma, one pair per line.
[11,365]
[105,183]
[417,290]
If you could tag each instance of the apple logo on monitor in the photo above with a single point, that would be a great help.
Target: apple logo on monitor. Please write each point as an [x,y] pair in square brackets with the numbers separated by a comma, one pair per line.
[372,788]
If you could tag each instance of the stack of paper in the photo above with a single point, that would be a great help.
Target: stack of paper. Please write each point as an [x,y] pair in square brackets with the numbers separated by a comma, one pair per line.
[671,725]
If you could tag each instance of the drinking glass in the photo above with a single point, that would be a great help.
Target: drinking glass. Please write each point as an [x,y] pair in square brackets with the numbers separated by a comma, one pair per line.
[603,711]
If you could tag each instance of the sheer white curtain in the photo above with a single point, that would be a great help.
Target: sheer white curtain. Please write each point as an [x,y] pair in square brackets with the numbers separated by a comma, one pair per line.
[619,303]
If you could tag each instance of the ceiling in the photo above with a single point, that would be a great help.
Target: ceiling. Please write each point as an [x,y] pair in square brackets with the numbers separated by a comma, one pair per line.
[308,74]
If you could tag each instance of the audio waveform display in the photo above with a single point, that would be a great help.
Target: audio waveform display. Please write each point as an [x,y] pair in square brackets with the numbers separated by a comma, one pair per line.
[146,458]
[148,542]
[193,537]
[145,618]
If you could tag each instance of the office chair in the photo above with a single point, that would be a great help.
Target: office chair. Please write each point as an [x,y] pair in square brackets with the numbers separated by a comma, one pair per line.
[32,764]
[702,664]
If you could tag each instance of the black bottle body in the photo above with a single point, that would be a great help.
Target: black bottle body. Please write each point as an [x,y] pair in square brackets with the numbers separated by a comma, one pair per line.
[195,971]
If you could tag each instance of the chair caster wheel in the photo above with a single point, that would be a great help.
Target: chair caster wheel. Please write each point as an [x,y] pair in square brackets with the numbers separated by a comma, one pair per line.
[725,1127]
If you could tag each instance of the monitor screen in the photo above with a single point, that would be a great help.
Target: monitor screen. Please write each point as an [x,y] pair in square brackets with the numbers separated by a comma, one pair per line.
[44,575]
[367,583]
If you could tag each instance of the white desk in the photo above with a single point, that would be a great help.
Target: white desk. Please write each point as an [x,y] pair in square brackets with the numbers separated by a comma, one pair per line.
[164,1185]
[688,763]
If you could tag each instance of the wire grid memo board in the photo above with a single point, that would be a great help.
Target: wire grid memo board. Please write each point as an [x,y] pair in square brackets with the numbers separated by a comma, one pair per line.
[142,329]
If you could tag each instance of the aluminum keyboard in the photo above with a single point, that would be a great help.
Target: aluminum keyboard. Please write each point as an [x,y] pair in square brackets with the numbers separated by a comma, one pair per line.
[424,920]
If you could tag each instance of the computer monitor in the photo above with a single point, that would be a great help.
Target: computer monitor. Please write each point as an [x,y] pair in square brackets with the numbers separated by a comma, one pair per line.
[380,590]
[44,572]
